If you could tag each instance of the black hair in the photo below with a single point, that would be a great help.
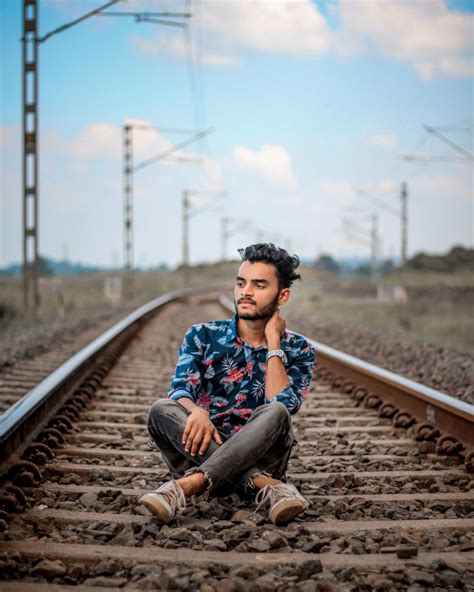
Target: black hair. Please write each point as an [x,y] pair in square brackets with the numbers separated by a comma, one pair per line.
[284,263]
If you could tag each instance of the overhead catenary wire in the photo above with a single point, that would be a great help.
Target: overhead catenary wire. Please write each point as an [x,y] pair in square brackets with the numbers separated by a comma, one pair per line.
[171,150]
[195,78]
[435,131]
[200,70]
[191,72]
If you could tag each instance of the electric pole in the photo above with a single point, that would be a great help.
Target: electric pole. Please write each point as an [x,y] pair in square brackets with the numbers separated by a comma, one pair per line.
[404,221]
[30,156]
[224,235]
[129,170]
[187,214]
[186,236]
[373,245]
[30,127]
[30,131]
[128,205]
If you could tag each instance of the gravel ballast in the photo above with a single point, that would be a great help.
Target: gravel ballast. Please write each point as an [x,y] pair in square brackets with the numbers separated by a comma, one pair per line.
[432,365]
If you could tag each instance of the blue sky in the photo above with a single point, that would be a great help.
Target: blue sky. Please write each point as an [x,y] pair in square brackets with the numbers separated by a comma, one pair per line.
[310,102]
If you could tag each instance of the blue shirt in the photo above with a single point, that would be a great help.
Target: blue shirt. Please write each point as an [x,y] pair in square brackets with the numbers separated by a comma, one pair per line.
[225,375]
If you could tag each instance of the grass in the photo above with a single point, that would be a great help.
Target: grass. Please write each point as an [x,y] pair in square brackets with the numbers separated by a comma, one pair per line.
[76,296]
[438,320]
[441,321]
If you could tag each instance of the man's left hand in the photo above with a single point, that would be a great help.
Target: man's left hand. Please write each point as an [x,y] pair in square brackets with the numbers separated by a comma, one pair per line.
[275,326]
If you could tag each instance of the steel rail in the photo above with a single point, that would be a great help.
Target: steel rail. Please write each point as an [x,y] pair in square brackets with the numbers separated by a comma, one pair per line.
[96,506]
[426,405]
[17,422]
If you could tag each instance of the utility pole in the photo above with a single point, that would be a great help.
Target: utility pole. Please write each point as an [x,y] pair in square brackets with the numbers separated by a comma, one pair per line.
[186,236]
[30,156]
[30,131]
[129,170]
[404,221]
[128,204]
[30,127]
[224,235]
[187,214]
[373,246]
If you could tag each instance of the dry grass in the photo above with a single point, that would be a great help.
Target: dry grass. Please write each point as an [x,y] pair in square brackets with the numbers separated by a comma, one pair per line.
[439,321]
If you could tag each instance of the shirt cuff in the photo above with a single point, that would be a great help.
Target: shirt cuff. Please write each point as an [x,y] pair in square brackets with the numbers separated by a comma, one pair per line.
[180,394]
[287,397]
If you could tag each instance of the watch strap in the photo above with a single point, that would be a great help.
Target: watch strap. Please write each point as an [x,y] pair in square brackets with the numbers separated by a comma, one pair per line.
[277,352]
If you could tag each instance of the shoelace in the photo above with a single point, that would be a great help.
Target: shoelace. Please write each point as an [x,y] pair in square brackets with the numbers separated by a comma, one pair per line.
[276,493]
[174,495]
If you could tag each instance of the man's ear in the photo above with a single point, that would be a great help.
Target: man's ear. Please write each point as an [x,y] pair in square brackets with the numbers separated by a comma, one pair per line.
[284,296]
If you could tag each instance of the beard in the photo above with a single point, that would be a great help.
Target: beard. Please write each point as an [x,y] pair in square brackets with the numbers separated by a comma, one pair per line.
[265,312]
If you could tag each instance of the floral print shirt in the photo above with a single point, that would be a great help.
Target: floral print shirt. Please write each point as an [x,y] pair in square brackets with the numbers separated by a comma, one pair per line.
[225,375]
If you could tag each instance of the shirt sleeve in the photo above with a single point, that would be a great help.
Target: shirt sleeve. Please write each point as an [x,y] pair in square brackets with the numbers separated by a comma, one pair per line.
[300,373]
[186,380]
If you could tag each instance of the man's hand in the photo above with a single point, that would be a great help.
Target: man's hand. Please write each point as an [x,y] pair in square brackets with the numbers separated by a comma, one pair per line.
[199,431]
[275,327]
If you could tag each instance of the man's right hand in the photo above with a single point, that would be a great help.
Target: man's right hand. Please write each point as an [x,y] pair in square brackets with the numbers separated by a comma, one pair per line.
[199,431]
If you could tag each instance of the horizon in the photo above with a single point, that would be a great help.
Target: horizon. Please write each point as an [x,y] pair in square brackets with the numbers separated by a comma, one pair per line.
[311,121]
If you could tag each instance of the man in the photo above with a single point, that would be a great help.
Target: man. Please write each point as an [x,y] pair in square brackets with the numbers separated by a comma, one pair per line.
[226,423]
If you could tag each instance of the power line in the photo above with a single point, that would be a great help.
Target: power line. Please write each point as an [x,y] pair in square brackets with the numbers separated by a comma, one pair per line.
[170,151]
[467,157]
[30,133]
[95,12]
[433,131]
[196,84]
[191,73]
[152,17]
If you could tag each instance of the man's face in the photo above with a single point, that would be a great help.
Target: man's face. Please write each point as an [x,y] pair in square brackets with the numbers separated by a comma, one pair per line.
[256,293]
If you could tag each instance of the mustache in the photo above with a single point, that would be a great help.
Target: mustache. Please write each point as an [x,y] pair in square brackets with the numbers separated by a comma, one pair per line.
[245,300]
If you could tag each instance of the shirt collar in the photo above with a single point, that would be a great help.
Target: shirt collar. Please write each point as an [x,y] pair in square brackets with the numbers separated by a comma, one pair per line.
[233,335]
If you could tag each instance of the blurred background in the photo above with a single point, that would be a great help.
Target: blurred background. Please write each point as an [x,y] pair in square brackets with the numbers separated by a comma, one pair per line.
[163,136]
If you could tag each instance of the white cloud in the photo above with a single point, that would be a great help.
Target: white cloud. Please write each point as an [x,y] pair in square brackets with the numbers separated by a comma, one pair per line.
[385,141]
[445,185]
[9,137]
[436,40]
[273,163]
[177,48]
[273,27]
[340,193]
[212,174]
[383,186]
[104,141]
[430,36]
[289,27]
[97,141]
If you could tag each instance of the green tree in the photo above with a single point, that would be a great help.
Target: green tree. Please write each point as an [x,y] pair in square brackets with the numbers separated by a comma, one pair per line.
[327,263]
[44,269]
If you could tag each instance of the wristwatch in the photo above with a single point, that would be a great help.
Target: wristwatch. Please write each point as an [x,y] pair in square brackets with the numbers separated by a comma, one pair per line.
[277,352]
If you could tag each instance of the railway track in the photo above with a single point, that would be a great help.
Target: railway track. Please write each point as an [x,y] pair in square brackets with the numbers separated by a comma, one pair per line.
[19,377]
[391,495]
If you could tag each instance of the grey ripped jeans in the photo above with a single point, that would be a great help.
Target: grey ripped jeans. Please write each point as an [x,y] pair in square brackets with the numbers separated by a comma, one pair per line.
[263,446]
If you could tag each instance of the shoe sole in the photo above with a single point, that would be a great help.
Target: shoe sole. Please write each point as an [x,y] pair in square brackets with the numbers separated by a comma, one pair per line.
[156,507]
[285,511]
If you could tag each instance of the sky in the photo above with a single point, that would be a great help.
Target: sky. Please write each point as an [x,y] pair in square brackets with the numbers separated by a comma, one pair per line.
[312,107]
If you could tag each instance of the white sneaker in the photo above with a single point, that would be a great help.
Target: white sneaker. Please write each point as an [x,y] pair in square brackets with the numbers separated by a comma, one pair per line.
[286,502]
[166,502]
